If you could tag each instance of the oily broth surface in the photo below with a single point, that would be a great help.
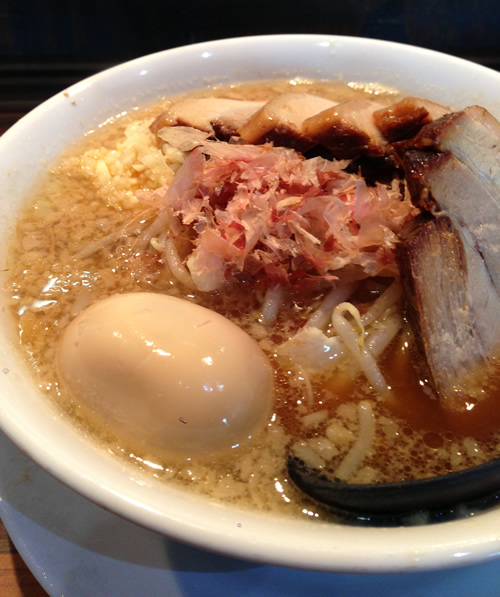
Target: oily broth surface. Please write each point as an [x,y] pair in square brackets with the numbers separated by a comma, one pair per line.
[65,215]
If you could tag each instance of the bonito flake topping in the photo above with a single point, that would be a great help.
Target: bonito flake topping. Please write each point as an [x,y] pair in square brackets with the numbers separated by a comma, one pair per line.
[269,212]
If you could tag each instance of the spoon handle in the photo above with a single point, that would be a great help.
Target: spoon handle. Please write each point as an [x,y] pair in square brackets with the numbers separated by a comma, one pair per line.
[476,485]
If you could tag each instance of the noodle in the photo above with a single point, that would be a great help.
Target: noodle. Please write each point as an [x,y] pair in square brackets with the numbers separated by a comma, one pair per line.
[354,459]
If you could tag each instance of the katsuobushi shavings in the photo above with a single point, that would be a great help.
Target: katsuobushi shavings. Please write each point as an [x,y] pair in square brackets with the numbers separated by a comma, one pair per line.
[270,212]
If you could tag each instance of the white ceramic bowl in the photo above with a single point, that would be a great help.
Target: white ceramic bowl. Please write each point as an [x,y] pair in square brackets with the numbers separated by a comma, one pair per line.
[29,419]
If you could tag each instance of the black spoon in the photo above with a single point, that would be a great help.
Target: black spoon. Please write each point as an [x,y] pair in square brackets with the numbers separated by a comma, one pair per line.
[475,485]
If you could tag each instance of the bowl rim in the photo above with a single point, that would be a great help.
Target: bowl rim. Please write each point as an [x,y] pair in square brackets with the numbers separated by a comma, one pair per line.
[248,535]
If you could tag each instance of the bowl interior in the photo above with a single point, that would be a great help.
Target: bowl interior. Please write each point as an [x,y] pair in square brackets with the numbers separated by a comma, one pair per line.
[31,422]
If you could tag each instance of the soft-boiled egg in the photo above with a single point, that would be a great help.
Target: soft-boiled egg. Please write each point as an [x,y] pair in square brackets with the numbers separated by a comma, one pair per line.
[166,372]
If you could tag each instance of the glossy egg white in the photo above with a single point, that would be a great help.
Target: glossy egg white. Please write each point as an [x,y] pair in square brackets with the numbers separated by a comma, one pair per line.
[166,373]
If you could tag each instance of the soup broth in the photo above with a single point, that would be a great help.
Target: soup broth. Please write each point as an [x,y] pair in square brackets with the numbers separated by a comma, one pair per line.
[79,241]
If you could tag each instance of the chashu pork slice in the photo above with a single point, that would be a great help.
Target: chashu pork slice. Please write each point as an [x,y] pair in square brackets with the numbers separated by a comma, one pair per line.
[218,116]
[348,129]
[473,136]
[405,118]
[441,181]
[454,309]
[280,120]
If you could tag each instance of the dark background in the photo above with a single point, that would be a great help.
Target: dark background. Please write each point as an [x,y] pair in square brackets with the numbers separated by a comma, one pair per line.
[46,45]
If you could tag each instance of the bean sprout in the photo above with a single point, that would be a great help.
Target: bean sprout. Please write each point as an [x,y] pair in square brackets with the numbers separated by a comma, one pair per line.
[320,318]
[386,300]
[383,333]
[272,302]
[354,342]
[177,268]
[163,221]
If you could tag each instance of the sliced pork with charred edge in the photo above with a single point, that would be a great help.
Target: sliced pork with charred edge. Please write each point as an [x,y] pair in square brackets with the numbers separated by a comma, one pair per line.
[280,120]
[473,136]
[348,130]
[405,118]
[441,181]
[216,115]
[453,306]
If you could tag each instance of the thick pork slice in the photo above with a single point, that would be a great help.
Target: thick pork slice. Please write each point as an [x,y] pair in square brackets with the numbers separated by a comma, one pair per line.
[219,116]
[440,180]
[454,308]
[280,120]
[473,136]
[405,118]
[348,129]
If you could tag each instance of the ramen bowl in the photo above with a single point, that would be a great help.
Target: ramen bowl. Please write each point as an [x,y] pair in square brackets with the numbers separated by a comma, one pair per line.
[29,419]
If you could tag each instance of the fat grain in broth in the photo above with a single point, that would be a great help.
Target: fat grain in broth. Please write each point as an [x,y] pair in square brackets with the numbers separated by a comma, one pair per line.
[77,243]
